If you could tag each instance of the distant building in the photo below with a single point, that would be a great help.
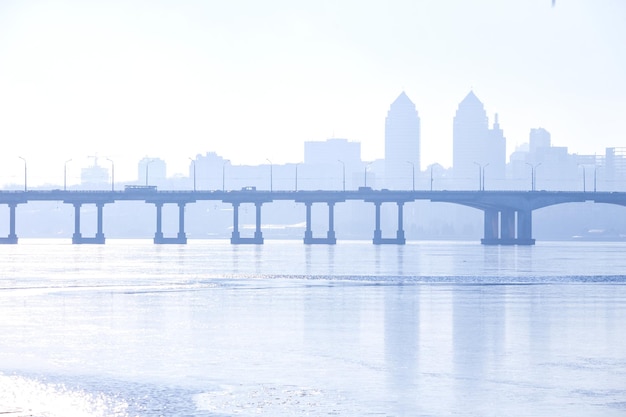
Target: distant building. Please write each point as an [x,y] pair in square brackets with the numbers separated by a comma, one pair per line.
[330,164]
[553,167]
[332,150]
[402,143]
[479,153]
[94,177]
[209,171]
[151,171]
[539,138]
[615,174]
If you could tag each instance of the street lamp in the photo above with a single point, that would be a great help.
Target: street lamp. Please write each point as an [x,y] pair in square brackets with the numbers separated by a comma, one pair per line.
[481,176]
[194,174]
[65,174]
[413,172]
[112,174]
[343,170]
[431,178]
[223,172]
[584,178]
[25,173]
[484,175]
[297,175]
[595,178]
[147,165]
[271,174]
[533,178]
[365,173]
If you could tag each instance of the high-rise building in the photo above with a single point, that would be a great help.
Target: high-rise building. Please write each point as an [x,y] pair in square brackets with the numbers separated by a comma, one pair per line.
[479,153]
[539,138]
[402,144]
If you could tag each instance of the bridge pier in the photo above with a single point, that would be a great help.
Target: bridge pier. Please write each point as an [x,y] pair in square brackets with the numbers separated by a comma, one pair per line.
[12,237]
[258,235]
[399,239]
[181,238]
[507,227]
[77,237]
[330,238]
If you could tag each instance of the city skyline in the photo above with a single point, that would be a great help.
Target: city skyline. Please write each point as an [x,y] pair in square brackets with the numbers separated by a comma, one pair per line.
[476,145]
[129,80]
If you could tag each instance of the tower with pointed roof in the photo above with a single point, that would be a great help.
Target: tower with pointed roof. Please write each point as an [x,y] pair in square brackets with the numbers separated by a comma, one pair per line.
[402,144]
[479,153]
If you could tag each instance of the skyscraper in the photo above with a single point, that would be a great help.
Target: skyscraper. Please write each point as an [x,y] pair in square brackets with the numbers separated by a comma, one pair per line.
[402,144]
[479,153]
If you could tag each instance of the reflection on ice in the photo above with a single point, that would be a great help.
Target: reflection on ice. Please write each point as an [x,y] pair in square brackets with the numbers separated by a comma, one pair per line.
[285,330]
[21,396]
[274,400]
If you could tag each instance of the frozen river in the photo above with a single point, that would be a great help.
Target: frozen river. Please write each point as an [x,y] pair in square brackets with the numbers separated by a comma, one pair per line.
[283,329]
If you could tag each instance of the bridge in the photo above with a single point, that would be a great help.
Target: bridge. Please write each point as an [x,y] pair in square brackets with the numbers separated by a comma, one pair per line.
[507,214]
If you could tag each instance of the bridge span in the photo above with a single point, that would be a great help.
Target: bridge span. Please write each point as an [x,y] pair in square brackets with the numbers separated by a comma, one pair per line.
[507,214]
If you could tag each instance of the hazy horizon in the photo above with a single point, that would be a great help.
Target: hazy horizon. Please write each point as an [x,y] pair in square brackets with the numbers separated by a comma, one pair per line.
[254,81]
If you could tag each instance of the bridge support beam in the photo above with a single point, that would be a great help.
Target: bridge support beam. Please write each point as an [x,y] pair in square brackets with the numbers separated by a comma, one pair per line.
[507,227]
[12,237]
[525,227]
[181,238]
[77,237]
[491,226]
[236,238]
[330,238]
[399,239]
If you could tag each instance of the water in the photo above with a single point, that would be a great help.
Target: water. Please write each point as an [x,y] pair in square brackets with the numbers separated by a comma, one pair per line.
[283,329]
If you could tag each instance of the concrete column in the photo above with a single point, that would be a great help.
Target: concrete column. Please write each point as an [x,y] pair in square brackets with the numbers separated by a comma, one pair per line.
[492,225]
[491,229]
[235,221]
[99,233]
[159,219]
[308,233]
[12,235]
[525,227]
[400,232]
[331,221]
[77,236]
[181,221]
[507,224]
[377,232]
[257,232]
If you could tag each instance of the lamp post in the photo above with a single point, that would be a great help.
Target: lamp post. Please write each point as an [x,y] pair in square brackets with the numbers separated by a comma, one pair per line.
[65,174]
[271,175]
[481,176]
[584,178]
[25,174]
[533,178]
[431,178]
[343,174]
[148,165]
[112,174]
[223,174]
[365,174]
[194,173]
[480,179]
[483,169]
[297,176]
[412,172]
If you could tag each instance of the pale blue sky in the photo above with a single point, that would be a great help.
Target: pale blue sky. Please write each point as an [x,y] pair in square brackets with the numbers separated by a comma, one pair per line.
[253,80]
